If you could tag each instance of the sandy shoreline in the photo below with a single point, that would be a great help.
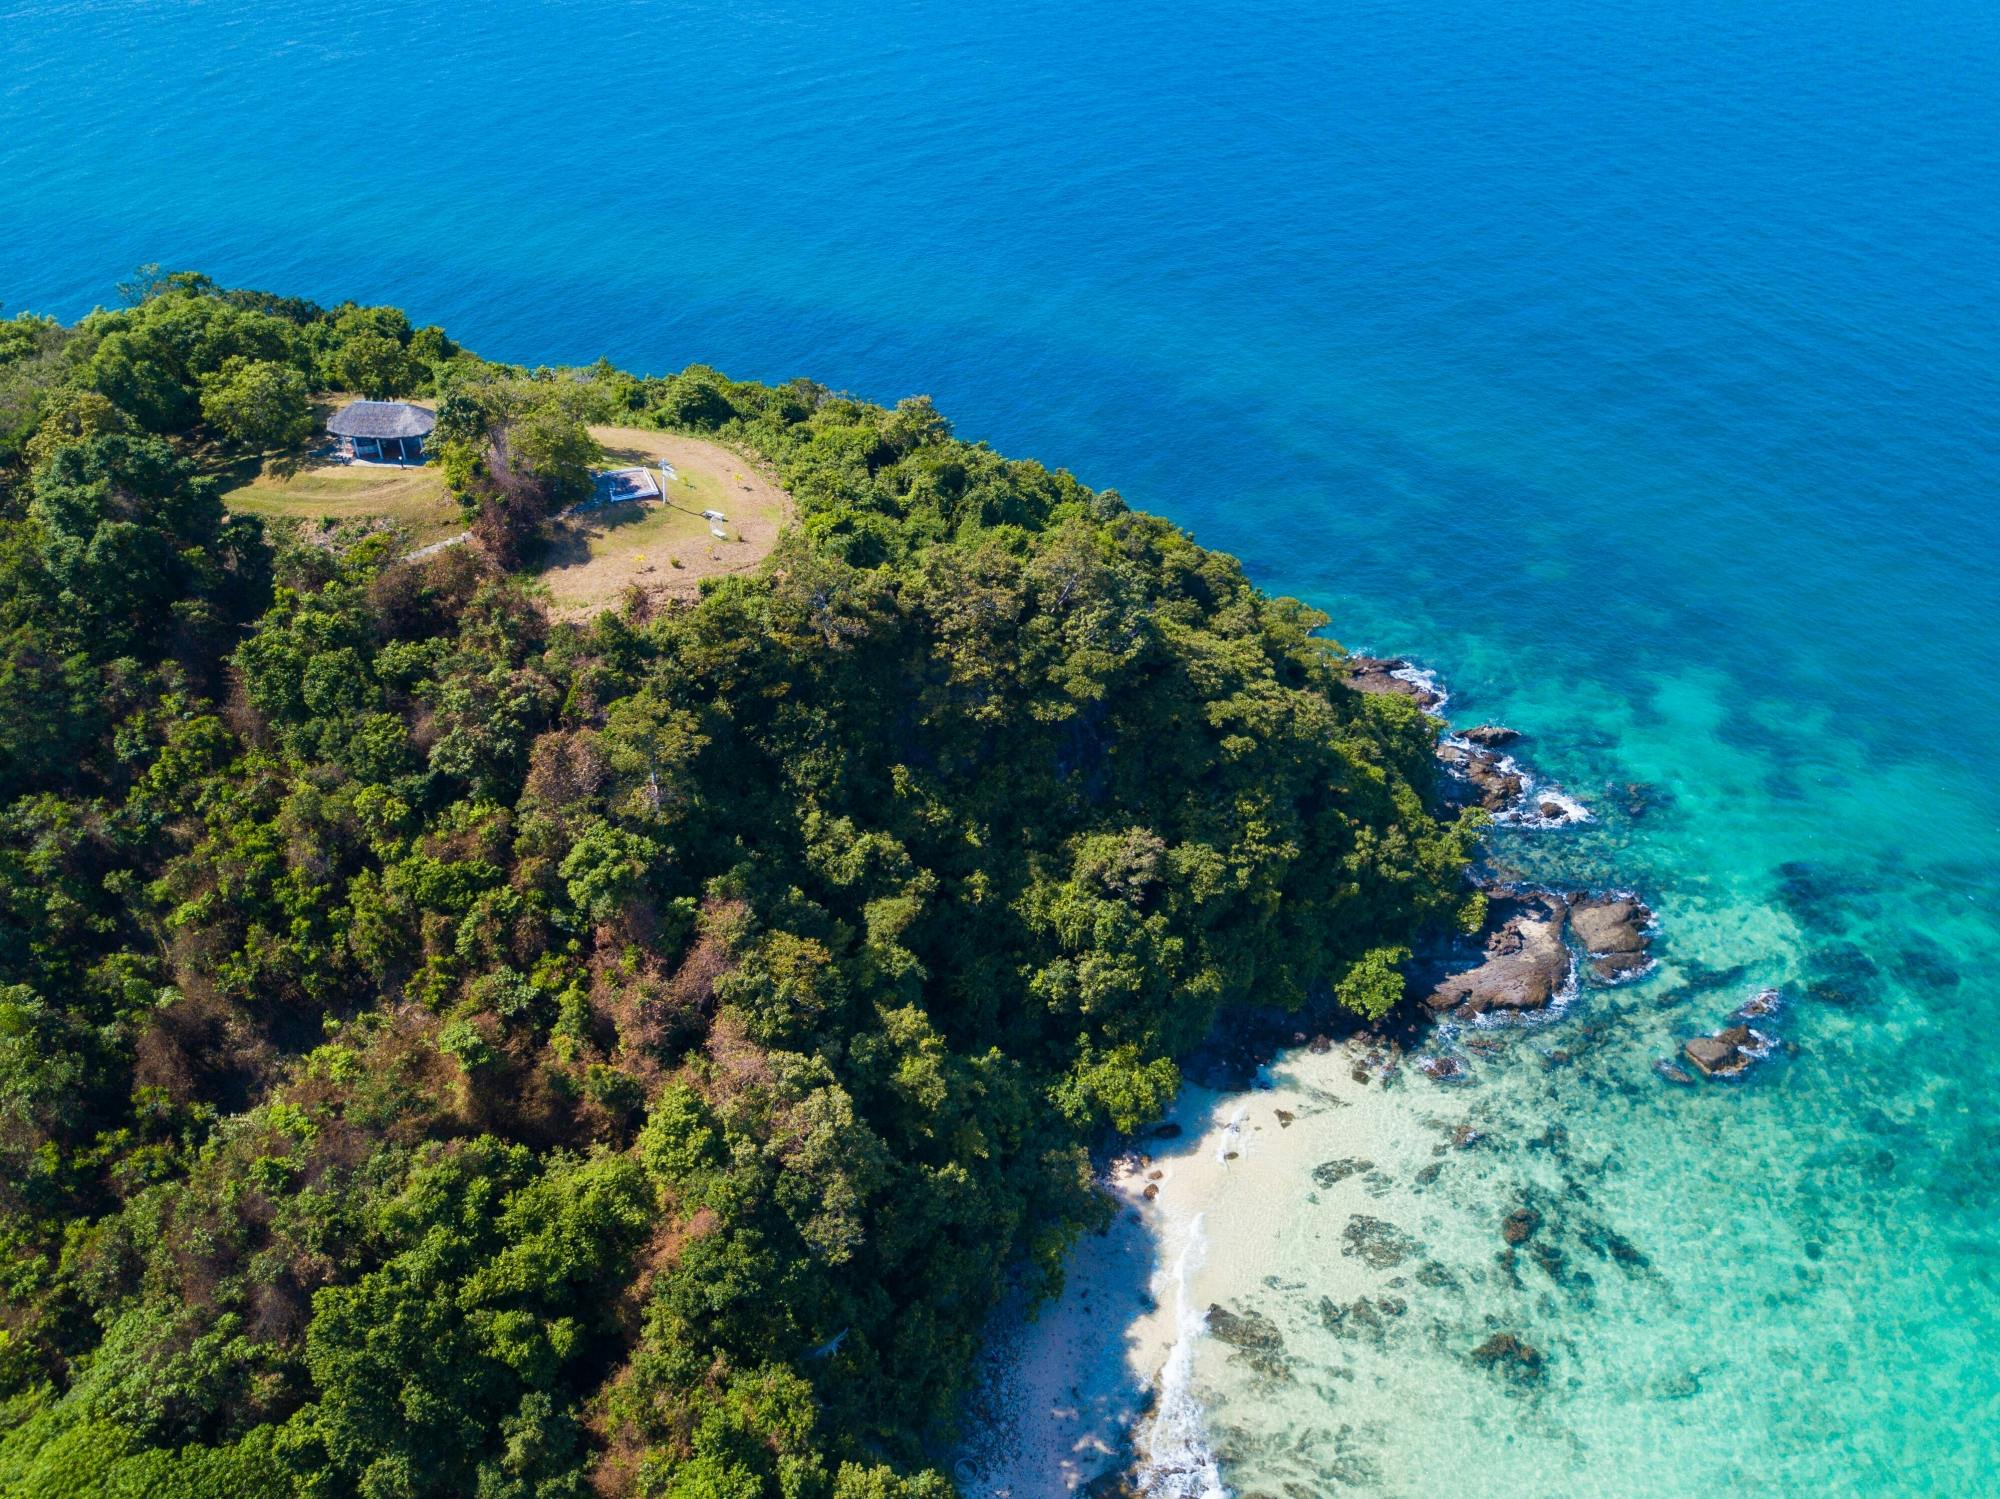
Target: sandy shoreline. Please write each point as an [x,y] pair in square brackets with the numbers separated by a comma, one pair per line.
[1101,1378]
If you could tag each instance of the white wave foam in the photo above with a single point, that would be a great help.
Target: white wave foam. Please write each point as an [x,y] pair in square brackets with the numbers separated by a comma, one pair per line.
[1232,1133]
[1527,809]
[1424,677]
[1178,1463]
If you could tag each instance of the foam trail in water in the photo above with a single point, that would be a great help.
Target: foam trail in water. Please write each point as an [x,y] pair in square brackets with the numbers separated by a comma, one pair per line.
[1178,1464]
[1232,1132]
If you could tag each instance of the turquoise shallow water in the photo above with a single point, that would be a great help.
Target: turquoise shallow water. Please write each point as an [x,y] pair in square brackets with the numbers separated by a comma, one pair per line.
[1633,365]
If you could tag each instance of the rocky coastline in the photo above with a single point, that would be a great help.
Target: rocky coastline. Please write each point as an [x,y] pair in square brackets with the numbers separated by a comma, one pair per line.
[1538,949]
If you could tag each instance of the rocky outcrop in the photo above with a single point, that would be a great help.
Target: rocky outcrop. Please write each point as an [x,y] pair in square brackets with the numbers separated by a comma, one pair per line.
[1377,674]
[1486,775]
[1525,962]
[1490,735]
[1615,930]
[1758,1006]
[1727,1053]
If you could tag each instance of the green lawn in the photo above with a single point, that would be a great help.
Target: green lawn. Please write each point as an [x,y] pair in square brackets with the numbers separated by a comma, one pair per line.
[412,498]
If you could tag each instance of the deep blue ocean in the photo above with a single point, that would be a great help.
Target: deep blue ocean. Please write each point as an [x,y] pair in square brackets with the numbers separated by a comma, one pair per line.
[1637,366]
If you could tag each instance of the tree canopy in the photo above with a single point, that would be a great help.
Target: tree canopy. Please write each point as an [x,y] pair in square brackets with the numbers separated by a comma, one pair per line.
[445,1052]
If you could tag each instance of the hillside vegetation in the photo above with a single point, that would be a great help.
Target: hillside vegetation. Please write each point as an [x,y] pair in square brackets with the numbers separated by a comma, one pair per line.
[445,1052]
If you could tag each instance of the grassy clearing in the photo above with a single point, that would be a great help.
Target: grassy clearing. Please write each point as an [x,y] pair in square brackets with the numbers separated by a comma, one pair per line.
[664,548]
[414,499]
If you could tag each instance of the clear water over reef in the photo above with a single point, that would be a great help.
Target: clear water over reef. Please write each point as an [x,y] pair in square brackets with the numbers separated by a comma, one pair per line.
[1633,365]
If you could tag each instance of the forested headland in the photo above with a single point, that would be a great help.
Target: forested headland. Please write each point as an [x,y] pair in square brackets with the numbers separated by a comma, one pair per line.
[445,1052]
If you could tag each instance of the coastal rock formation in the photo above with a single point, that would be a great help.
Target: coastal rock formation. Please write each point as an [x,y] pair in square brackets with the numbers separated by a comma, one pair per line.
[1764,1002]
[1614,930]
[1525,962]
[1490,735]
[1729,1052]
[1494,786]
[1377,674]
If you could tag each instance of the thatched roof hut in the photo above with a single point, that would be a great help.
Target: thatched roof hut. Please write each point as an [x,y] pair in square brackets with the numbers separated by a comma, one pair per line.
[392,431]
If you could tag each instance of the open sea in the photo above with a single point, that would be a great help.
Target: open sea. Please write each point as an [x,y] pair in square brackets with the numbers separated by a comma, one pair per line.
[1636,366]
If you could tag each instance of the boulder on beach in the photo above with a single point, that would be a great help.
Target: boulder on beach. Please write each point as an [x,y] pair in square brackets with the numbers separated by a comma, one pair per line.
[1377,674]
[1490,735]
[1524,961]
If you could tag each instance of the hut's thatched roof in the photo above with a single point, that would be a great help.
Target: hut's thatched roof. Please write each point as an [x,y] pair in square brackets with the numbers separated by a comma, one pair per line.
[381,419]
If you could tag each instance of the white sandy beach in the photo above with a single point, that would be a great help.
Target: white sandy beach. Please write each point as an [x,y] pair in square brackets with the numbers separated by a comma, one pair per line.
[1103,1374]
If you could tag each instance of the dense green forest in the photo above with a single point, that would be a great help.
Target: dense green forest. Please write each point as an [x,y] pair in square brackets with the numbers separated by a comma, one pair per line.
[445,1052]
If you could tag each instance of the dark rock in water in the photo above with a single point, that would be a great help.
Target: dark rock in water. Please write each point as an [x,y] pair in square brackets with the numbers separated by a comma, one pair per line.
[1429,1174]
[1842,975]
[1252,1335]
[1392,1306]
[1436,1275]
[1549,1258]
[1612,967]
[1361,1318]
[1377,1242]
[1166,1131]
[1728,1052]
[1377,674]
[1329,1173]
[1552,812]
[1505,1353]
[1637,798]
[1817,897]
[1607,1243]
[1923,964]
[1495,787]
[1519,1226]
[1360,1074]
[1319,1046]
[1490,735]
[1152,1191]
[1610,923]
[1285,1118]
[1757,1006]
[1464,1137]
[1671,1073]
[1441,1068]
[1525,962]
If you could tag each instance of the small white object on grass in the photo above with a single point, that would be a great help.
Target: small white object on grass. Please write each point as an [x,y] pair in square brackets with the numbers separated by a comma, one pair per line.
[718,533]
[713,515]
